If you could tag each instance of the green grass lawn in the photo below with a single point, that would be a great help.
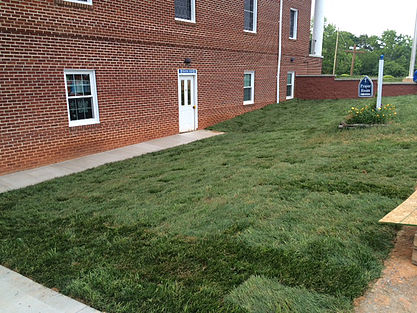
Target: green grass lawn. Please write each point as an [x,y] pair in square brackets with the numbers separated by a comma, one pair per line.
[278,215]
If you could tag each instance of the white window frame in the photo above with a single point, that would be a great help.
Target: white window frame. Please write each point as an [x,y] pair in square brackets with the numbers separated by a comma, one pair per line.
[292,85]
[252,100]
[255,18]
[295,30]
[88,2]
[192,14]
[93,86]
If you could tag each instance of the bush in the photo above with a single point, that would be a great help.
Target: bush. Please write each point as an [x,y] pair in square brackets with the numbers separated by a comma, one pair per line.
[370,115]
[388,77]
[345,75]
[395,69]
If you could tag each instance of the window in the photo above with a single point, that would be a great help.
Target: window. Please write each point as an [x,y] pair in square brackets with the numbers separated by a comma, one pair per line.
[90,2]
[251,8]
[185,10]
[290,85]
[249,88]
[293,23]
[81,97]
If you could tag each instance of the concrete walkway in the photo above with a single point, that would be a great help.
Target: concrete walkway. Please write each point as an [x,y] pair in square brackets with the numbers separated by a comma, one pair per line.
[44,173]
[19,294]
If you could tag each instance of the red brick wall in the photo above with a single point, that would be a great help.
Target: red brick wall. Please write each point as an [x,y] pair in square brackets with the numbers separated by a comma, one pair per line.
[136,49]
[327,87]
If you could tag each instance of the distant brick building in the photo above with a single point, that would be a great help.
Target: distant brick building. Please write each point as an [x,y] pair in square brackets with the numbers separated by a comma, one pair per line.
[84,76]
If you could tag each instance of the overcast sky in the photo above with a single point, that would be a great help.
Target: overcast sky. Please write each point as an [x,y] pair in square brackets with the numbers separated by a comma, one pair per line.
[372,17]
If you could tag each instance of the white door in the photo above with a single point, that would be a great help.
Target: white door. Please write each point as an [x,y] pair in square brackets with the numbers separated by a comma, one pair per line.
[187,103]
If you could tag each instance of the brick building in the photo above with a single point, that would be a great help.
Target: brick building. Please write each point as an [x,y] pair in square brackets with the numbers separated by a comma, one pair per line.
[84,76]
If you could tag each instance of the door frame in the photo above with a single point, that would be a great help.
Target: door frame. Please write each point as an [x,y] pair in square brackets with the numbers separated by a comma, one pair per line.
[188,72]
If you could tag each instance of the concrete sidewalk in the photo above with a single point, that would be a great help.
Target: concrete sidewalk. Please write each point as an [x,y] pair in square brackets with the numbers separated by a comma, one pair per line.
[19,294]
[40,174]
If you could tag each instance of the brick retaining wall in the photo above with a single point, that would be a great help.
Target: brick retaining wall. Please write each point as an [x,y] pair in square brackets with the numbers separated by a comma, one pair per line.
[313,87]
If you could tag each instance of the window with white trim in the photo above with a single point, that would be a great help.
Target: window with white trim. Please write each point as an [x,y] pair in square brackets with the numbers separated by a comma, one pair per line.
[81,94]
[293,23]
[251,12]
[249,87]
[90,2]
[185,10]
[290,85]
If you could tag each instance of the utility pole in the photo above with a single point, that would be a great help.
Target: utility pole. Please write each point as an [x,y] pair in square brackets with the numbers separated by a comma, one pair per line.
[354,52]
[335,53]
[413,53]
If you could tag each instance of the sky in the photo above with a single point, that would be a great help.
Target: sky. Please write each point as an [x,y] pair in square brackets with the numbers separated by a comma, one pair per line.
[372,17]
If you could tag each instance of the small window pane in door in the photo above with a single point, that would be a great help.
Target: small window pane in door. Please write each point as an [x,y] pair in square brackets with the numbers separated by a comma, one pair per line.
[182,92]
[189,92]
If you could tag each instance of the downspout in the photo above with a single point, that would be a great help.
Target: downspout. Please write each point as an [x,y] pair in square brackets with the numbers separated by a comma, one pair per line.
[279,48]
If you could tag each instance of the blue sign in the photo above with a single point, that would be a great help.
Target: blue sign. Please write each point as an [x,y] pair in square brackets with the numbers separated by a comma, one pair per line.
[187,71]
[415,77]
[366,88]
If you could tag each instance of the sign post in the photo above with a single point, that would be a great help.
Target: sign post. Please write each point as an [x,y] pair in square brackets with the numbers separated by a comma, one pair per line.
[366,88]
[380,81]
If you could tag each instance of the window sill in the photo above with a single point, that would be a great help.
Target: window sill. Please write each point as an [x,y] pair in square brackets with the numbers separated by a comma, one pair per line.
[185,22]
[248,102]
[249,32]
[84,123]
[74,4]
[290,98]
[294,39]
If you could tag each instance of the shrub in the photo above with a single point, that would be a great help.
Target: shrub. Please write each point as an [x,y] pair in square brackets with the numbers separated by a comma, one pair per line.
[395,69]
[388,77]
[370,115]
[345,75]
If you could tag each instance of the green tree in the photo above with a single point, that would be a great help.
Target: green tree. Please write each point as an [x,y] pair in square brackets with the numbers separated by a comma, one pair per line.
[395,47]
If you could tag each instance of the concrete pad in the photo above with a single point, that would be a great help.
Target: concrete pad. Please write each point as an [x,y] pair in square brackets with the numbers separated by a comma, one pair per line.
[34,176]
[19,294]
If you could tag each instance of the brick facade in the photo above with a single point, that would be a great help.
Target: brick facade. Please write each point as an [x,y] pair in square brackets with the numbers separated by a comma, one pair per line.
[136,49]
[327,87]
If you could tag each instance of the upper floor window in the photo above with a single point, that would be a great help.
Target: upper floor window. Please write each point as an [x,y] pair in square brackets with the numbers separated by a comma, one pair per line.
[185,10]
[81,97]
[81,1]
[293,23]
[251,12]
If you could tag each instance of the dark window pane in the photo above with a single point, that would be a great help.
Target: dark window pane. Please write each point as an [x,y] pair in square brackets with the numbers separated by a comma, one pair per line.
[247,94]
[70,85]
[78,88]
[87,90]
[182,93]
[248,80]
[249,5]
[72,104]
[183,9]
[86,79]
[292,24]
[78,78]
[189,92]
[73,115]
[80,108]
[289,90]
[289,78]
[249,21]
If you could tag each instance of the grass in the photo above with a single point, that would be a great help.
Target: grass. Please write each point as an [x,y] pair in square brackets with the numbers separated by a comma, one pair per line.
[278,214]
